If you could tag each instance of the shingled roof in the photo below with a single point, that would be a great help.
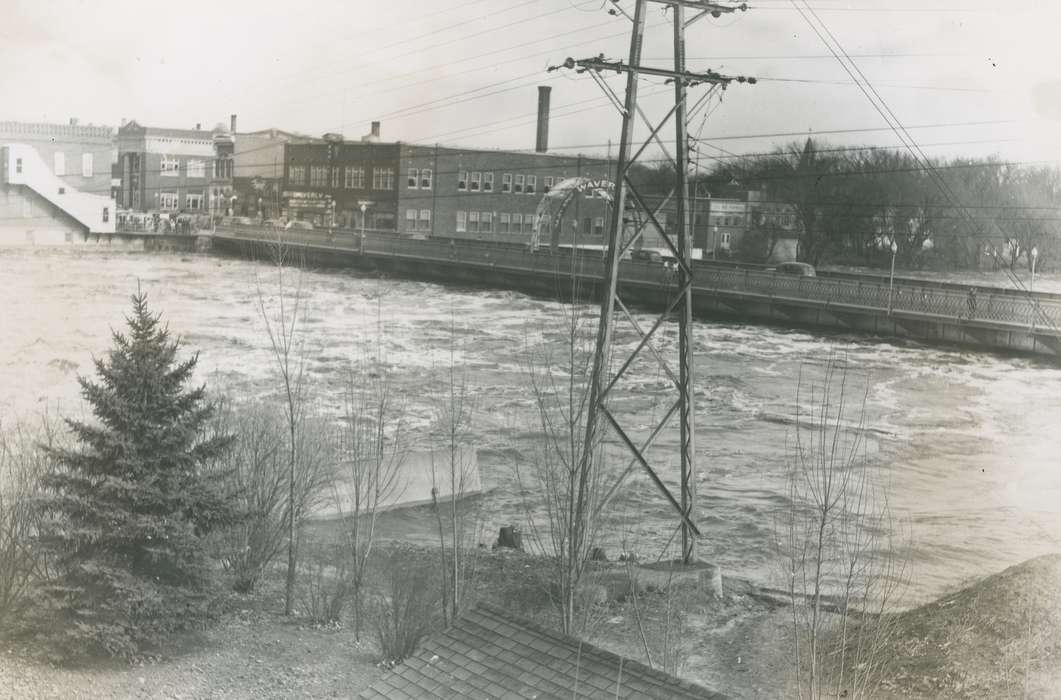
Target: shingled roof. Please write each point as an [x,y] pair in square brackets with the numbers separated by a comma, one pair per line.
[489,654]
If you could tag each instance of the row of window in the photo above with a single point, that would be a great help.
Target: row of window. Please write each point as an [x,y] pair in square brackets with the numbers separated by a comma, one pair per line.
[192,167]
[489,222]
[418,219]
[59,164]
[419,179]
[168,201]
[510,184]
[350,177]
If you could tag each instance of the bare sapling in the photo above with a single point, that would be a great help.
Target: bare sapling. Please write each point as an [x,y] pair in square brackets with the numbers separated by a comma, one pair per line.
[282,314]
[568,469]
[371,452]
[840,553]
[23,459]
[454,477]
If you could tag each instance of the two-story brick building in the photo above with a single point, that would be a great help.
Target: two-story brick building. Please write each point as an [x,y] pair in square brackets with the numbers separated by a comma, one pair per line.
[435,191]
[171,170]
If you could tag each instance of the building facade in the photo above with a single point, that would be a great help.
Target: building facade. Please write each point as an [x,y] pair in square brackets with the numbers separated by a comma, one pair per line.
[175,170]
[258,171]
[80,156]
[494,195]
[335,183]
[54,182]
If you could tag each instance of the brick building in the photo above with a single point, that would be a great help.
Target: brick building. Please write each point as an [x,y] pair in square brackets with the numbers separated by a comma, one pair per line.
[258,170]
[434,191]
[175,170]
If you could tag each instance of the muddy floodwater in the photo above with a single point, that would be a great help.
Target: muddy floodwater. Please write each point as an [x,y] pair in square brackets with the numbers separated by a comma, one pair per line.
[967,443]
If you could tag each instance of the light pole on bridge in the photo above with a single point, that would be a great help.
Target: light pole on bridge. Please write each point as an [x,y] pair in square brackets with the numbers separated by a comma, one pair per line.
[891,279]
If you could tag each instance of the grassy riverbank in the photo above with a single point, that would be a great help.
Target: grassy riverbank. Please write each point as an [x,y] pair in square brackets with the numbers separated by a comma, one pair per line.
[997,638]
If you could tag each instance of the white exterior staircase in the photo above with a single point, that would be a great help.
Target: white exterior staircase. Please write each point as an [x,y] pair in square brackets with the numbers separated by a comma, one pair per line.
[22,165]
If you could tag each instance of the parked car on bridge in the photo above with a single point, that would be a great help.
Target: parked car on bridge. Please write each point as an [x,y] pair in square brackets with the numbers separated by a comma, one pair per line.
[798,269]
[299,225]
[649,256]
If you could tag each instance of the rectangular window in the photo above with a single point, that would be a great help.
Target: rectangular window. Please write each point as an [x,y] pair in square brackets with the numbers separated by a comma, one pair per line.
[488,182]
[86,165]
[502,223]
[598,226]
[106,214]
[425,179]
[486,222]
[170,167]
[410,219]
[462,180]
[383,178]
[425,220]
[335,178]
[193,201]
[506,182]
[462,221]
[18,165]
[518,187]
[354,178]
[296,174]
[476,181]
[195,168]
[532,181]
[413,179]
[725,239]
[318,175]
[59,161]
[528,223]
[473,222]
[167,200]
[586,223]
[516,219]
[547,183]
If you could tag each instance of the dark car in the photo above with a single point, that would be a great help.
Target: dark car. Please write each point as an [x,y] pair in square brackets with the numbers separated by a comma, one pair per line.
[649,256]
[798,269]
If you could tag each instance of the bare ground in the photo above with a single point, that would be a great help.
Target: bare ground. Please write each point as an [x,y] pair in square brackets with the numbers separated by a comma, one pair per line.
[998,638]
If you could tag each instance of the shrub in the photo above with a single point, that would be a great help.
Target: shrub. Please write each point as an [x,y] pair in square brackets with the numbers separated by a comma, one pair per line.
[404,609]
[22,461]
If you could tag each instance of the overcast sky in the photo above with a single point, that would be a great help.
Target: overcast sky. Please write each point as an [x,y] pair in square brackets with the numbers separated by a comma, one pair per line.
[465,71]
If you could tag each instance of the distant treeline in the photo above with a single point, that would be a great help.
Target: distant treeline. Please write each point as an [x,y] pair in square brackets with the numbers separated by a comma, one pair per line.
[852,204]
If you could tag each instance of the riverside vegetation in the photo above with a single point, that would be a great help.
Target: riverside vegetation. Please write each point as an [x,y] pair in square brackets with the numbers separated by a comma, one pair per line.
[139,557]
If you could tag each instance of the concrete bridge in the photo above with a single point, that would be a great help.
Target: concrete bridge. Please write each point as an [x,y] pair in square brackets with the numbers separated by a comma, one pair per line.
[978,317]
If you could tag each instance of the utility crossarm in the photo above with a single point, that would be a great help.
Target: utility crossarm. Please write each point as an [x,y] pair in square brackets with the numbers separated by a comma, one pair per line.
[689,78]
[705,8]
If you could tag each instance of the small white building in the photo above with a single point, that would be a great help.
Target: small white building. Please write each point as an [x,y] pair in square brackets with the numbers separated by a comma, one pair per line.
[38,207]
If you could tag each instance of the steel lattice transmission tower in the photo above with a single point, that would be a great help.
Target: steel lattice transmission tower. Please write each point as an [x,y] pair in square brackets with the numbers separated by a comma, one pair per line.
[622,235]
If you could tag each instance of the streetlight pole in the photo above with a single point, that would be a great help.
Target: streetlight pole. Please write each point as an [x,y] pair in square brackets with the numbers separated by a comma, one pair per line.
[1035,256]
[361,245]
[891,279]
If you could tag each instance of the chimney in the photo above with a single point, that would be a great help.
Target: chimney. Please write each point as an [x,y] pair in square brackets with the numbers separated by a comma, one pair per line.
[198,126]
[73,121]
[232,124]
[375,130]
[541,144]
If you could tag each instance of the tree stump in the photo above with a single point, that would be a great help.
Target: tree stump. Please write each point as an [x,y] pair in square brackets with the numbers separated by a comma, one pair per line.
[510,537]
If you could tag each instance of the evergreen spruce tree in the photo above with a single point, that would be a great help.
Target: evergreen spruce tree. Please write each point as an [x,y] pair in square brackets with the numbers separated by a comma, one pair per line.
[131,504]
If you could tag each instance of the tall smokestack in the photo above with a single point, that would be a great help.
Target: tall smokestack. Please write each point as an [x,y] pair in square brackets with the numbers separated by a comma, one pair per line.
[541,144]
[375,129]
[232,124]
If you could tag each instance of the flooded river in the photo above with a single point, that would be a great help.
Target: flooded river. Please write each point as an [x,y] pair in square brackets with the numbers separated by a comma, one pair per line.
[968,443]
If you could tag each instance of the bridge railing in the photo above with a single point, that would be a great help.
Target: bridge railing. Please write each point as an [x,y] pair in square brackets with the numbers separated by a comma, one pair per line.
[975,305]
[902,298]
